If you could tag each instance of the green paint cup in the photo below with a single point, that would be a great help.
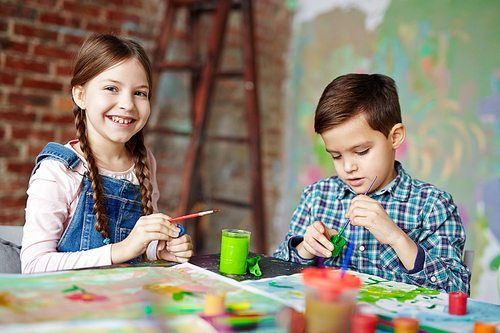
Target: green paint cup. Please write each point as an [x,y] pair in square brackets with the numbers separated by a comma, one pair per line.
[338,242]
[234,251]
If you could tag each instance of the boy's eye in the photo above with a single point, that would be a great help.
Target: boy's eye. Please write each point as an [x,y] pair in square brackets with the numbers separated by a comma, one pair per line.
[363,152]
[141,93]
[336,157]
[110,88]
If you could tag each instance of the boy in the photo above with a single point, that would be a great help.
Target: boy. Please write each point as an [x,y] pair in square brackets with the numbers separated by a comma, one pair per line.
[408,231]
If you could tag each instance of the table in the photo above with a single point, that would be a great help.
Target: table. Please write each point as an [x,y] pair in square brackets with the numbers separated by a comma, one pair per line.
[161,296]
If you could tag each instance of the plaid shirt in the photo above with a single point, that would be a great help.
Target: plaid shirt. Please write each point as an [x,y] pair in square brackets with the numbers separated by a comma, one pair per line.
[426,214]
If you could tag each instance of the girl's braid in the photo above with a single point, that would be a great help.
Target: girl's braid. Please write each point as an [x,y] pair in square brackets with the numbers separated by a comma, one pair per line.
[136,146]
[93,174]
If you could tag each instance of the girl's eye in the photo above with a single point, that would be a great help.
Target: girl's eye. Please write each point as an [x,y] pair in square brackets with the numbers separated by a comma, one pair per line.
[141,93]
[336,157]
[363,152]
[110,88]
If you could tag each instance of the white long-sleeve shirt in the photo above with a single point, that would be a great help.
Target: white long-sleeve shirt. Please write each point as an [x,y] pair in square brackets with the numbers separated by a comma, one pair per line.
[53,195]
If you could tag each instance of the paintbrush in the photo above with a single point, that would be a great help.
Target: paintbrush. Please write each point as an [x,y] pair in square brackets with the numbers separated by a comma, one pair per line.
[348,254]
[348,220]
[350,248]
[190,216]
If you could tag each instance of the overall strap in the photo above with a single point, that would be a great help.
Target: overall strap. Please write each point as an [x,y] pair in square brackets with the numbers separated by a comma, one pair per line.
[58,152]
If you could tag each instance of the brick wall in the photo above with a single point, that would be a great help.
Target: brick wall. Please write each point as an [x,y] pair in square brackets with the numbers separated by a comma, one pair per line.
[38,40]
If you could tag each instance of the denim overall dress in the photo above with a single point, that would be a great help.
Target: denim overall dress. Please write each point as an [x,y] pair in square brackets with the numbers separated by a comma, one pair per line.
[122,204]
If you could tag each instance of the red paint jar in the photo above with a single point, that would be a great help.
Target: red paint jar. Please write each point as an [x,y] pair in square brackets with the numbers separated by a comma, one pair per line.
[364,323]
[457,303]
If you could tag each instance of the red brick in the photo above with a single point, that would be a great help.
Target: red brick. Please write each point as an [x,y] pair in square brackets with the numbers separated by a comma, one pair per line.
[17,10]
[12,218]
[75,22]
[8,185]
[103,28]
[28,133]
[53,52]
[48,3]
[7,79]
[114,15]
[67,136]
[53,18]
[31,31]
[38,84]
[23,168]
[13,202]
[71,39]
[148,35]
[17,116]
[32,100]
[8,150]
[34,150]
[2,133]
[64,70]
[62,120]
[3,25]
[134,3]
[81,9]
[27,65]
[9,45]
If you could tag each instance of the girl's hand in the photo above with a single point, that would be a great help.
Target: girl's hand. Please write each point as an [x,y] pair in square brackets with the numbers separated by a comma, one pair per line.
[316,241]
[147,229]
[178,249]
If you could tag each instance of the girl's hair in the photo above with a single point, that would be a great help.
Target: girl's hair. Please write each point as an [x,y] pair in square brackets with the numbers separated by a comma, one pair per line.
[374,95]
[98,53]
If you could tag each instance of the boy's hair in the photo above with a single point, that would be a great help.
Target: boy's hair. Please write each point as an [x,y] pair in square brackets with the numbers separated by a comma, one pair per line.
[98,53]
[373,95]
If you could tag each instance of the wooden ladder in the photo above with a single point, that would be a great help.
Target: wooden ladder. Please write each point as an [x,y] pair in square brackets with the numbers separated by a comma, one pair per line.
[203,76]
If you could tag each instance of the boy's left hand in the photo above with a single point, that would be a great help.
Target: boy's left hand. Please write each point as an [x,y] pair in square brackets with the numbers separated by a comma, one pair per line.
[369,213]
[177,249]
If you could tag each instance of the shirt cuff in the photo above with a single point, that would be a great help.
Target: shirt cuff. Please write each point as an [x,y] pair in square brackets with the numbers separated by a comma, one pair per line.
[419,262]
[292,247]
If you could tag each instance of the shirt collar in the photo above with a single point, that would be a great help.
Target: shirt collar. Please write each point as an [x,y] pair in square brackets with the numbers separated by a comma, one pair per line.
[399,188]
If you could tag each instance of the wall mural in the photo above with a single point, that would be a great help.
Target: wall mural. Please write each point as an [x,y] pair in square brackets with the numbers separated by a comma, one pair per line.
[444,58]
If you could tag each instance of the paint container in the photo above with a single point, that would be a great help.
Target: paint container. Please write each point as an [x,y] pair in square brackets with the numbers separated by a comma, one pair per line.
[457,303]
[364,323]
[234,251]
[338,243]
[405,325]
[215,304]
[330,299]
[480,327]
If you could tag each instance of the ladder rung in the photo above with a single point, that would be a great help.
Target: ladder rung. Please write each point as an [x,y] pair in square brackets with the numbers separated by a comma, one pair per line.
[210,6]
[234,139]
[230,73]
[221,201]
[170,131]
[164,130]
[178,65]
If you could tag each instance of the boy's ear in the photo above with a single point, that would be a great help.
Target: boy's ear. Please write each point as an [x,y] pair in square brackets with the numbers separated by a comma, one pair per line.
[78,97]
[397,135]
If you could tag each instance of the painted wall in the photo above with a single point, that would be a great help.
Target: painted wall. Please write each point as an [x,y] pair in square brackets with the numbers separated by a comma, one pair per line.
[444,57]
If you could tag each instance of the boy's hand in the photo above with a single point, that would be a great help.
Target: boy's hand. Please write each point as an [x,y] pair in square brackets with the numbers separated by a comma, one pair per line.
[178,249]
[316,241]
[369,213]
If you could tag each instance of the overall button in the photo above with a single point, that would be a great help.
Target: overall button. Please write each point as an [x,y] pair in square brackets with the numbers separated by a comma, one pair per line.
[433,279]
[361,248]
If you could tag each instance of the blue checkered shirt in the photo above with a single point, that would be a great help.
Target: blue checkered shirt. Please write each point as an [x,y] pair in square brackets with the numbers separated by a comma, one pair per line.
[425,213]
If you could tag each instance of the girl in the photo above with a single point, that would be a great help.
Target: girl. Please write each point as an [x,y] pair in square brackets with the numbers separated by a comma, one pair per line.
[91,201]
